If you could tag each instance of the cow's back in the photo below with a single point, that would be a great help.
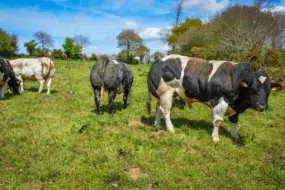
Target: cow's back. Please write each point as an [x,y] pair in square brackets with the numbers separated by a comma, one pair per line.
[30,68]
[197,78]
[107,73]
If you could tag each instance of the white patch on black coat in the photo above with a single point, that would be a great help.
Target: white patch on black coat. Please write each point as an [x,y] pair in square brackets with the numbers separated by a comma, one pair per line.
[262,79]
[216,65]
[218,114]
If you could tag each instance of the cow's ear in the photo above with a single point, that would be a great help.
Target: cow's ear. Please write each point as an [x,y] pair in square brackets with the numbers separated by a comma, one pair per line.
[244,84]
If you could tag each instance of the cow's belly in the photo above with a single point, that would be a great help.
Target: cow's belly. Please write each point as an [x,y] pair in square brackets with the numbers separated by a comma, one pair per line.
[33,72]
[28,73]
[175,87]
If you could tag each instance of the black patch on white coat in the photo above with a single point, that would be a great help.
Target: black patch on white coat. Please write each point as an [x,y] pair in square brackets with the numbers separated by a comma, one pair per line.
[195,80]
[9,75]
[172,69]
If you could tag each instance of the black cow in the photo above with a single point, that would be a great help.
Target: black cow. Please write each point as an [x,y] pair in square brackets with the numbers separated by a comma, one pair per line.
[7,78]
[113,77]
[230,87]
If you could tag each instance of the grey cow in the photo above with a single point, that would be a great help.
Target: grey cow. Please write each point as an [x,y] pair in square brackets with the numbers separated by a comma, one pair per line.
[112,76]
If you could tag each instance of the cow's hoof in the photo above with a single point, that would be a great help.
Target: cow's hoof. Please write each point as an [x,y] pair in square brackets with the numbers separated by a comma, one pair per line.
[99,113]
[171,131]
[124,107]
[234,135]
[215,138]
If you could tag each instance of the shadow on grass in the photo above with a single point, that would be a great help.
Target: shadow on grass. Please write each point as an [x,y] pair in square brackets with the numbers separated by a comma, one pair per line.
[118,106]
[33,89]
[194,125]
[8,96]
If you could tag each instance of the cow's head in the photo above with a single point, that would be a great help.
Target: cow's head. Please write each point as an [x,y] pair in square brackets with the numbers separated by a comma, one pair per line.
[14,85]
[257,88]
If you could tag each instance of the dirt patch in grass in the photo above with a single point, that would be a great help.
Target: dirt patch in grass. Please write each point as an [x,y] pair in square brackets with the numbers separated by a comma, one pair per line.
[158,133]
[137,123]
[135,173]
[270,158]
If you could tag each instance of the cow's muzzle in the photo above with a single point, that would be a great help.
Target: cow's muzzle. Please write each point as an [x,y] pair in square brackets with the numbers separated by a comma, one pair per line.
[261,108]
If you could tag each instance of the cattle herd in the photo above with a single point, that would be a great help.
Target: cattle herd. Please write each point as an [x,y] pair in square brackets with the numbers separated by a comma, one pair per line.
[228,88]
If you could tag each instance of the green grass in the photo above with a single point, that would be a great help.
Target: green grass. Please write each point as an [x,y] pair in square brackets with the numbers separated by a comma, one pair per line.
[57,141]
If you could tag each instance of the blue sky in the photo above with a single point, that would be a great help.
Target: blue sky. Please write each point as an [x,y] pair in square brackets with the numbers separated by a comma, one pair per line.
[102,21]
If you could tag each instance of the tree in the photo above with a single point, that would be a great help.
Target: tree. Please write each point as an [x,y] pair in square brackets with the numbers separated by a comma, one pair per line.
[156,56]
[129,39]
[76,52]
[177,11]
[81,40]
[244,28]
[179,30]
[8,44]
[44,39]
[68,46]
[122,55]
[31,47]
[141,52]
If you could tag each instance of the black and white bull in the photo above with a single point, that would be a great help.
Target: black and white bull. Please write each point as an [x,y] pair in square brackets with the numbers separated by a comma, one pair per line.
[230,87]
[113,77]
[7,78]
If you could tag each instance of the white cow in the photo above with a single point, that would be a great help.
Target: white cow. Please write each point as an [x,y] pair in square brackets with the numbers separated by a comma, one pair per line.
[40,69]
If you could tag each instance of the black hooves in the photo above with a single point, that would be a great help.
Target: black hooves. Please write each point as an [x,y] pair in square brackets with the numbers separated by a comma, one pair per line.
[99,113]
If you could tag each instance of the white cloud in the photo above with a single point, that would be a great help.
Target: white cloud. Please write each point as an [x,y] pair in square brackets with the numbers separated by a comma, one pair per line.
[130,25]
[151,34]
[206,6]
[278,9]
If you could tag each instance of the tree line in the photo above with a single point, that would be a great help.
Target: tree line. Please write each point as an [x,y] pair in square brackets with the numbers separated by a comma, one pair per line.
[240,33]
[133,49]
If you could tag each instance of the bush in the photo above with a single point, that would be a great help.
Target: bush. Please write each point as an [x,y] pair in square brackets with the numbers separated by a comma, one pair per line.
[104,56]
[84,57]
[94,57]
[254,58]
[196,51]
[57,54]
[271,58]
[132,60]
[282,59]
[42,52]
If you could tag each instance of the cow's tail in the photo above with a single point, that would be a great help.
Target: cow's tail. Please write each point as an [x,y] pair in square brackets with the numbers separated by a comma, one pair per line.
[102,91]
[148,102]
[102,68]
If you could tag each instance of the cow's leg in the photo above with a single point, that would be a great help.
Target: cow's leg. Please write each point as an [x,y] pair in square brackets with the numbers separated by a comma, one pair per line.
[112,96]
[4,88]
[97,96]
[41,81]
[233,121]
[21,84]
[158,115]
[2,92]
[48,85]
[126,95]
[166,101]
[219,110]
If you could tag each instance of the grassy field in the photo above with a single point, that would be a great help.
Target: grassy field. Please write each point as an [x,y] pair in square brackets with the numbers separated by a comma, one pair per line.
[57,141]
